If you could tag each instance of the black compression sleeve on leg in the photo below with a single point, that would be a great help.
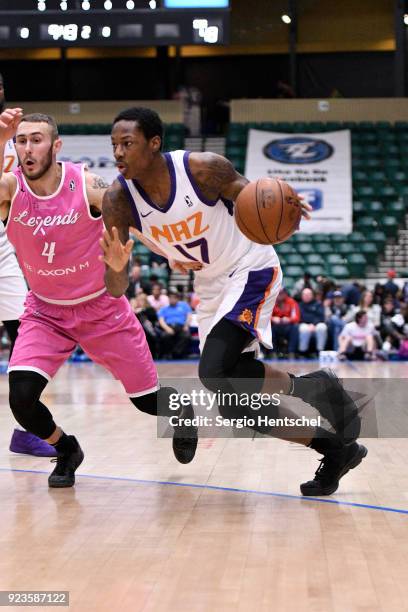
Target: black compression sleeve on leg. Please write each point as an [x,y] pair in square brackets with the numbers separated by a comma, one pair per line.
[156,403]
[223,363]
[12,331]
[25,390]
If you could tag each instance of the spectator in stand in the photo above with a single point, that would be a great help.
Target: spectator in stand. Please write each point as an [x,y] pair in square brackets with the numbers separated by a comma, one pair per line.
[324,285]
[356,341]
[148,318]
[174,320]
[182,292]
[391,286]
[303,283]
[285,323]
[311,322]
[335,310]
[372,310]
[379,294]
[399,331]
[388,333]
[404,296]
[157,261]
[135,285]
[158,299]
[351,293]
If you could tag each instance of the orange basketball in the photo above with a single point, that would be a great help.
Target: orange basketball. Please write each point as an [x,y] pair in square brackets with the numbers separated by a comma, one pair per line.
[268,211]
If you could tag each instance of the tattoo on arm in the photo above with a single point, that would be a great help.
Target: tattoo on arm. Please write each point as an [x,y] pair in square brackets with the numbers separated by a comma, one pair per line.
[217,176]
[99,183]
[220,172]
[116,211]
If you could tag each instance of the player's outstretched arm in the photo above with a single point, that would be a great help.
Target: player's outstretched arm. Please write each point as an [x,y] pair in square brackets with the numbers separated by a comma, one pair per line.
[179,266]
[216,176]
[9,120]
[115,242]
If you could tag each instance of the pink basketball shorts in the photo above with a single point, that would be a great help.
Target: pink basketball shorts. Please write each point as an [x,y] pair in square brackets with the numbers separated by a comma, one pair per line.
[105,327]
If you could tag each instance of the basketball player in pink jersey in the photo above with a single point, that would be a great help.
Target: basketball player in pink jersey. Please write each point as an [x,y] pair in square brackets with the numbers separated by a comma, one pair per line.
[54,224]
[181,205]
[13,292]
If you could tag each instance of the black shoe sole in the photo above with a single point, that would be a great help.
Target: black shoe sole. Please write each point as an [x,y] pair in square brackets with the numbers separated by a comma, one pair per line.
[352,463]
[67,482]
[186,451]
[185,438]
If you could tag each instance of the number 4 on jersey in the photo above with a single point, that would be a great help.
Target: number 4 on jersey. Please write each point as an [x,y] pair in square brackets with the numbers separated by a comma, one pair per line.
[49,251]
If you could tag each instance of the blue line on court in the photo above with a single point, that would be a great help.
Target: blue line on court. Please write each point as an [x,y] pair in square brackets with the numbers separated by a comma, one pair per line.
[228,489]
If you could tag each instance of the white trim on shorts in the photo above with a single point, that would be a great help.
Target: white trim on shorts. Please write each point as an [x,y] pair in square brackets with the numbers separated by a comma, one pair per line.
[85,298]
[140,393]
[31,369]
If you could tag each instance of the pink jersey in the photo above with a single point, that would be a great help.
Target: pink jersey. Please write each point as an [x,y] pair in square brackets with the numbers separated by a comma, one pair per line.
[56,239]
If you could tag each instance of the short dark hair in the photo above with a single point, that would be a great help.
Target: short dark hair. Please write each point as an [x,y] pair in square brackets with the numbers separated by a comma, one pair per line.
[359,315]
[41,118]
[148,121]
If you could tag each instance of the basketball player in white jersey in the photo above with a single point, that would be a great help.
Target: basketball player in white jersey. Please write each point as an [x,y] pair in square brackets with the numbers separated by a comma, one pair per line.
[54,224]
[13,291]
[181,205]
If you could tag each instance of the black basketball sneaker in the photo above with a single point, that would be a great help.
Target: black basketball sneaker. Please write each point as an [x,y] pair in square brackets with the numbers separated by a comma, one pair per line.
[185,437]
[324,391]
[67,462]
[334,465]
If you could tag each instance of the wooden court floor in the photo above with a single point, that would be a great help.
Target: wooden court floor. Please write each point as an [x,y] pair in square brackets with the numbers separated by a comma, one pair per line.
[229,532]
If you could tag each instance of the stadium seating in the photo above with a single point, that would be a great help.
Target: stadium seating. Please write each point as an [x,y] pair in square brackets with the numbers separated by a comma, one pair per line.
[380,198]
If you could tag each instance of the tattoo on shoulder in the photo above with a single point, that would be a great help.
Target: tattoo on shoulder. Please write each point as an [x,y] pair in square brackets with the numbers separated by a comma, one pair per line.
[216,173]
[99,183]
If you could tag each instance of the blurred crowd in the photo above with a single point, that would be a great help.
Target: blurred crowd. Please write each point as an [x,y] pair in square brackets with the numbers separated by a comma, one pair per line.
[317,314]
[349,319]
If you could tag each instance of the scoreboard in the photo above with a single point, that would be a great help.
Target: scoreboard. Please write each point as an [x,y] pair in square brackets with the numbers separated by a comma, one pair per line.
[68,23]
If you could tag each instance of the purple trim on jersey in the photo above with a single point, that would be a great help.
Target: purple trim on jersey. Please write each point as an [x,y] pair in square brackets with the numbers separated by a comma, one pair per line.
[194,184]
[229,204]
[145,196]
[183,252]
[132,203]
[250,299]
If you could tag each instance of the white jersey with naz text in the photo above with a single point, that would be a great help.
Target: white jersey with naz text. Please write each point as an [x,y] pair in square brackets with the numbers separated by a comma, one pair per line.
[190,227]
[239,280]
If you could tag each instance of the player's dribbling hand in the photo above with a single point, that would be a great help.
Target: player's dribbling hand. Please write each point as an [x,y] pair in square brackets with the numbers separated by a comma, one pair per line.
[9,120]
[184,266]
[306,208]
[116,255]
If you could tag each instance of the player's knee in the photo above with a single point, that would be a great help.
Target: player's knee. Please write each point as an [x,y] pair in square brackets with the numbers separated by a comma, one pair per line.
[211,373]
[25,388]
